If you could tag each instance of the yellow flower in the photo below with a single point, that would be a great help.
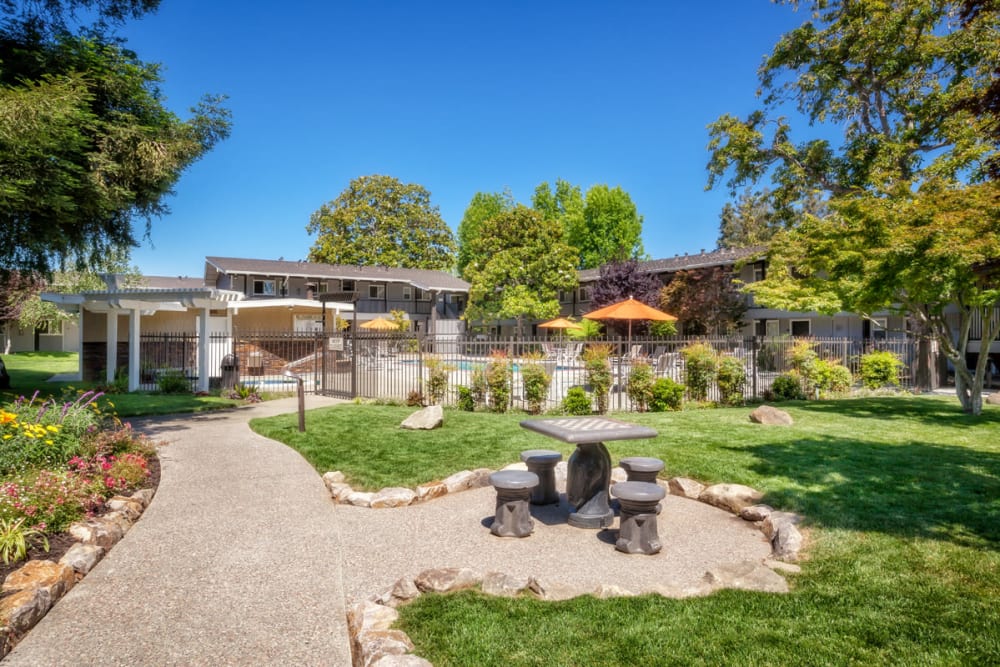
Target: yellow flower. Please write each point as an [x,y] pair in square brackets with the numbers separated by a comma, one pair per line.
[7,417]
[48,442]
[8,436]
[51,428]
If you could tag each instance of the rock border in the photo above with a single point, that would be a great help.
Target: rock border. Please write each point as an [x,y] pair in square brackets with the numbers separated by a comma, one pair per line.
[32,590]
[374,643]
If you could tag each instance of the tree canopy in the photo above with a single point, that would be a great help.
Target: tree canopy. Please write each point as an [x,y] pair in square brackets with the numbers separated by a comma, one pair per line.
[484,205]
[604,226]
[705,301]
[894,79]
[87,146]
[521,265]
[620,280]
[380,221]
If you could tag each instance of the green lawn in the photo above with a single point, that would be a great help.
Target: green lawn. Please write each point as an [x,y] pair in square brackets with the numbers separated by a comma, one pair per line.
[30,372]
[902,497]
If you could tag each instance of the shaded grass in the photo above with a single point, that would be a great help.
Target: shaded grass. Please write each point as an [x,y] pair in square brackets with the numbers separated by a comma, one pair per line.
[901,495]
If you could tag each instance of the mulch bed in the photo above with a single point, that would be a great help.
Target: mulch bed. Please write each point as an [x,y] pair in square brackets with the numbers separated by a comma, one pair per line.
[60,543]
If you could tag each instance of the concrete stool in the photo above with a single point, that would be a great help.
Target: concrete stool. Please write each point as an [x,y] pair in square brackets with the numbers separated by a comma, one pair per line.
[543,462]
[513,515]
[641,468]
[637,519]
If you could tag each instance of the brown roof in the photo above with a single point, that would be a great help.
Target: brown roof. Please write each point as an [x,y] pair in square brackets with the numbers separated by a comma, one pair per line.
[686,262]
[424,279]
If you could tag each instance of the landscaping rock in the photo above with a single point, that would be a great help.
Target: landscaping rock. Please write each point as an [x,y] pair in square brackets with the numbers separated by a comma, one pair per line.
[118,519]
[446,579]
[748,576]
[20,611]
[130,507]
[366,615]
[618,474]
[425,419]
[56,578]
[360,498]
[144,496]
[332,478]
[732,497]
[407,660]
[756,512]
[504,585]
[480,478]
[460,481]
[394,496]
[605,591]
[403,590]
[782,566]
[99,533]
[519,465]
[684,487]
[376,644]
[430,491]
[82,557]
[771,416]
[339,491]
[786,540]
[554,590]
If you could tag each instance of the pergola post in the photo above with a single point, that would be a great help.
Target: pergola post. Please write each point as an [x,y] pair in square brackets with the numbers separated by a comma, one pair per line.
[111,337]
[203,350]
[133,349]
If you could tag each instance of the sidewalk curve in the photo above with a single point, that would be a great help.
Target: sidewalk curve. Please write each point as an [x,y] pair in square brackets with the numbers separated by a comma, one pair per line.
[237,561]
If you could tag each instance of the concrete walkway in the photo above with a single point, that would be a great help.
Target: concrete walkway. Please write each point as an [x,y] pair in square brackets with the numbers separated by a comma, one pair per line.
[236,562]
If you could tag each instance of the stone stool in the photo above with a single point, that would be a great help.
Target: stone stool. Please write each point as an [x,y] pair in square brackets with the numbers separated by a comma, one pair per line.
[543,462]
[513,514]
[637,519]
[641,468]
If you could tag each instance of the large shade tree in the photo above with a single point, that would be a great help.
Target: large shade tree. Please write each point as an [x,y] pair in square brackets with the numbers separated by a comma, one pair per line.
[705,300]
[890,78]
[380,221]
[88,147]
[521,265]
[484,205]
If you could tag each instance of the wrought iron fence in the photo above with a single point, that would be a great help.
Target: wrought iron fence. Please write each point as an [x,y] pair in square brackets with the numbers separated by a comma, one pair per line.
[395,366]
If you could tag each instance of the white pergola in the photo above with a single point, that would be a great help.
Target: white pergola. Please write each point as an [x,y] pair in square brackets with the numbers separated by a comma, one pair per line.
[146,301]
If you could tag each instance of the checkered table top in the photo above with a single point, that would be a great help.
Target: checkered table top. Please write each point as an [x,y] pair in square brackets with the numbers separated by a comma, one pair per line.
[588,429]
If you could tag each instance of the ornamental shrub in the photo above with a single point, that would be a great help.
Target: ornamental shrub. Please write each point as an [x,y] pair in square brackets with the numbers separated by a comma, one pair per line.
[173,382]
[598,368]
[536,385]
[803,360]
[833,377]
[701,363]
[465,400]
[640,385]
[879,369]
[788,387]
[499,377]
[437,379]
[666,395]
[732,379]
[478,389]
[576,402]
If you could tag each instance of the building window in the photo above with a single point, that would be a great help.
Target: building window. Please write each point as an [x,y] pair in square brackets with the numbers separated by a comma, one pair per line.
[407,293]
[423,295]
[879,327]
[376,291]
[584,294]
[263,287]
[565,297]
[347,285]
[759,273]
[801,327]
[766,328]
[323,288]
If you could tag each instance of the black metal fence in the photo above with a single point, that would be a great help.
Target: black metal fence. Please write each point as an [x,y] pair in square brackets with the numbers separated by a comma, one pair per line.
[394,366]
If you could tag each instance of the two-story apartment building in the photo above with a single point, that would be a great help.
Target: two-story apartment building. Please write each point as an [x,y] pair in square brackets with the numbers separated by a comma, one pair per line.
[752,267]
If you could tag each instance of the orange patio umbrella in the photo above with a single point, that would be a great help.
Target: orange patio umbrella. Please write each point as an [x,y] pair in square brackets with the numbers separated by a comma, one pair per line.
[559,323]
[629,310]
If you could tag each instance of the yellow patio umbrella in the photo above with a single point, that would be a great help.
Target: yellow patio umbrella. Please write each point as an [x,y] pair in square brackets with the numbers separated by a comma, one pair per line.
[380,324]
[559,323]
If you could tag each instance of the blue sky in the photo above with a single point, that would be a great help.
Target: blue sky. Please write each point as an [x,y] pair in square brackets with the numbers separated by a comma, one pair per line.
[459,97]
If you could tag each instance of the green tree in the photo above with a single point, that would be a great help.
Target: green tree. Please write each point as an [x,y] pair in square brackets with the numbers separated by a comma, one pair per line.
[749,223]
[612,228]
[380,221]
[87,147]
[484,205]
[521,265]
[892,77]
